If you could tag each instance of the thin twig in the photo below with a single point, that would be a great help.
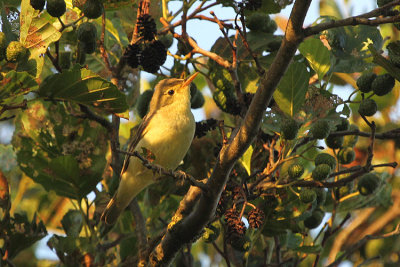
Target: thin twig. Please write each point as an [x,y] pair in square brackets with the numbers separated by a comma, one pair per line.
[161,170]
[362,19]
[92,116]
[54,61]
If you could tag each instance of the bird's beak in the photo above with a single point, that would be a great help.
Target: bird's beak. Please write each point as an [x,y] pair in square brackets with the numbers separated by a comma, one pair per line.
[189,80]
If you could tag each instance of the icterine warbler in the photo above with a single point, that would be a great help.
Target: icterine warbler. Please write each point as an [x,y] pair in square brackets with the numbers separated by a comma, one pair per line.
[167,131]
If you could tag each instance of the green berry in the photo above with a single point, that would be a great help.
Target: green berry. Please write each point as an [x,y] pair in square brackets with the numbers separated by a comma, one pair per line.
[383,84]
[346,155]
[308,196]
[16,52]
[368,183]
[271,27]
[93,9]
[38,4]
[364,82]
[321,172]
[261,22]
[325,158]
[87,32]
[295,171]
[56,8]
[211,233]
[343,125]
[143,102]
[321,195]
[334,142]
[65,60]
[368,107]
[167,40]
[184,48]
[257,21]
[89,47]
[197,101]
[289,129]
[350,140]
[242,243]
[315,219]
[320,129]
[80,54]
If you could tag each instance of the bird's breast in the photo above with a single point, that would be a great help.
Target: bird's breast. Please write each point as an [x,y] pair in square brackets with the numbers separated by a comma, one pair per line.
[168,136]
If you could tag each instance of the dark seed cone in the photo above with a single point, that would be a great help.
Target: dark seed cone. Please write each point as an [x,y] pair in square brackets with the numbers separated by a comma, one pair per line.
[231,216]
[132,55]
[202,127]
[255,218]
[236,227]
[222,203]
[153,56]
[146,27]
[236,192]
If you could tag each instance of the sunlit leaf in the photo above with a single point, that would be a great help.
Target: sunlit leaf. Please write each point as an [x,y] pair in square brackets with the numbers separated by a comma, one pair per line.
[317,54]
[291,91]
[36,33]
[246,159]
[15,84]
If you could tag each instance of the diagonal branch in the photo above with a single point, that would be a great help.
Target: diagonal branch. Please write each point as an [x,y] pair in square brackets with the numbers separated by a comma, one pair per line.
[186,229]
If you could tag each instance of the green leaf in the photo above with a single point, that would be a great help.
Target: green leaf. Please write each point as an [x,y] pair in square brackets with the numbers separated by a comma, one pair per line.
[346,110]
[84,87]
[6,27]
[21,233]
[115,28]
[350,47]
[36,33]
[61,152]
[384,63]
[245,160]
[15,84]
[248,77]
[294,240]
[292,89]
[8,160]
[317,54]
[72,222]
[309,249]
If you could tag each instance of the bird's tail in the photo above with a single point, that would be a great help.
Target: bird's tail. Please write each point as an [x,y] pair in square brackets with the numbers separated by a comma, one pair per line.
[111,212]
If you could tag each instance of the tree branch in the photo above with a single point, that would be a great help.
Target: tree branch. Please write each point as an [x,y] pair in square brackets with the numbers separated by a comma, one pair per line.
[363,19]
[190,226]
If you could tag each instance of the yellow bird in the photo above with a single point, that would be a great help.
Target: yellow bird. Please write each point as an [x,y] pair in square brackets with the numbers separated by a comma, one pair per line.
[167,131]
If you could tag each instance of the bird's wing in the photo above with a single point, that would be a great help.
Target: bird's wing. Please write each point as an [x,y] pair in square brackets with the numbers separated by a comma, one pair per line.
[135,140]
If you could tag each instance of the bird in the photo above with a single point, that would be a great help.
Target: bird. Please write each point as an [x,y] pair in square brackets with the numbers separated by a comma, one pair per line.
[166,131]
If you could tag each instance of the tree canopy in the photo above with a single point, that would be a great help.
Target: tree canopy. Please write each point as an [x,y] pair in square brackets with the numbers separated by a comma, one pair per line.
[294,165]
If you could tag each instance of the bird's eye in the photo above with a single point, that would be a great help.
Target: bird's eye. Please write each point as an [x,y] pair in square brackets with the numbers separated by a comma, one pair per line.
[171,92]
